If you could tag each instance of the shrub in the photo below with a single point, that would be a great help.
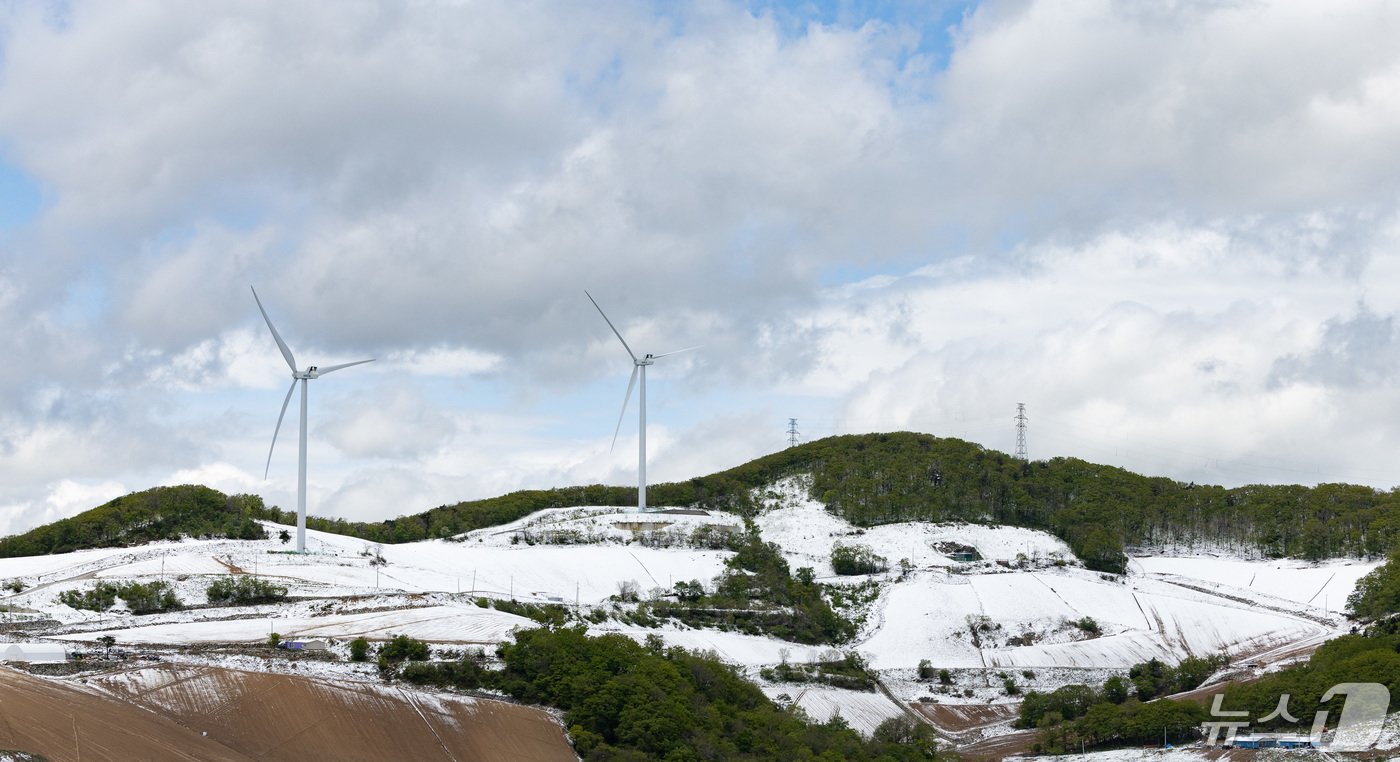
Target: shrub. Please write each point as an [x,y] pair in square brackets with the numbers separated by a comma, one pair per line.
[403,648]
[148,598]
[359,649]
[1088,624]
[849,560]
[99,597]
[465,673]
[243,589]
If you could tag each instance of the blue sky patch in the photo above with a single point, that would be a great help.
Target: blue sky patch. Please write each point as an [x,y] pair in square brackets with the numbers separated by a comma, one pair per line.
[20,197]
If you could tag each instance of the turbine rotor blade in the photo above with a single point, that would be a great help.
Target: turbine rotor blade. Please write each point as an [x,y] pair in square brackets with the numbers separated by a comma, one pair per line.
[610,325]
[280,416]
[625,400]
[282,345]
[342,366]
[678,351]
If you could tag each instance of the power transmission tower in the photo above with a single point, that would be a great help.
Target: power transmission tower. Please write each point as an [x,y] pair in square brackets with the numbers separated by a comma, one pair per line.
[792,432]
[1021,431]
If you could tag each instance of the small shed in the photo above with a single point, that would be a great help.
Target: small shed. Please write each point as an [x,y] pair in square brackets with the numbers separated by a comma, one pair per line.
[304,645]
[37,653]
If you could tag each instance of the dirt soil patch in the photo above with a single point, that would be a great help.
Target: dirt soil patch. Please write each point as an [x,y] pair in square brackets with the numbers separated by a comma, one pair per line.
[958,718]
[63,722]
[285,717]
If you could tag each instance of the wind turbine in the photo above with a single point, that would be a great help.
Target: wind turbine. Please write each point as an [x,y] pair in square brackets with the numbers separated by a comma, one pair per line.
[303,376]
[639,366]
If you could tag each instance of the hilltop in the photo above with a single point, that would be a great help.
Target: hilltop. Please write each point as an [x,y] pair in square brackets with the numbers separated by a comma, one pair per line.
[160,513]
[868,480]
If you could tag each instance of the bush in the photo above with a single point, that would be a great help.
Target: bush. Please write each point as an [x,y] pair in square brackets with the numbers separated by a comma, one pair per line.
[466,673]
[243,589]
[1088,624]
[359,649]
[849,560]
[548,614]
[99,597]
[403,648]
[148,598]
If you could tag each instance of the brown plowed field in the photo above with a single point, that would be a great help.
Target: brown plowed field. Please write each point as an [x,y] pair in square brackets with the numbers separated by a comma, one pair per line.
[64,723]
[960,718]
[211,713]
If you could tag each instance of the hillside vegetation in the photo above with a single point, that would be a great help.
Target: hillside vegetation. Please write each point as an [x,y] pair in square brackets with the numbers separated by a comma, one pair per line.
[867,479]
[1098,510]
[625,701]
[162,513]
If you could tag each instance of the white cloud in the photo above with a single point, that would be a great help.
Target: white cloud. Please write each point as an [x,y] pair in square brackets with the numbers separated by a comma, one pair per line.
[396,422]
[1169,229]
[63,499]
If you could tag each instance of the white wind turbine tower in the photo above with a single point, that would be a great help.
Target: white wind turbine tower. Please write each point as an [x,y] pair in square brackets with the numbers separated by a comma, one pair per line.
[639,366]
[303,376]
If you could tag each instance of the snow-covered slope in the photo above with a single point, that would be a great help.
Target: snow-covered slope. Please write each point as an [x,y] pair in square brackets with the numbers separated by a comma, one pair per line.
[1027,604]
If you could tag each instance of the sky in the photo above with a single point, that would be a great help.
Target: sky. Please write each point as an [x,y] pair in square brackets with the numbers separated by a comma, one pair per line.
[1169,229]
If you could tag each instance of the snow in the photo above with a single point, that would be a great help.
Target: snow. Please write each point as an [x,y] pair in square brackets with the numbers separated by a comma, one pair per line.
[1167,607]
[922,619]
[927,617]
[1320,585]
[733,647]
[863,711]
[437,624]
[807,531]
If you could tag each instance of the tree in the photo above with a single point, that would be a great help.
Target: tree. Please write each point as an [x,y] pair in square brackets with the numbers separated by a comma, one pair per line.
[1115,689]
[403,648]
[359,649]
[274,639]
[689,591]
[284,536]
[107,642]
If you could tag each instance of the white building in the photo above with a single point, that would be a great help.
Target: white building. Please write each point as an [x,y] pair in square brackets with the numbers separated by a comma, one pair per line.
[39,653]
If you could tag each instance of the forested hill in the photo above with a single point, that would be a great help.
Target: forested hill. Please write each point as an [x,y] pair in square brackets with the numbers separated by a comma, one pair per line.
[156,514]
[881,478]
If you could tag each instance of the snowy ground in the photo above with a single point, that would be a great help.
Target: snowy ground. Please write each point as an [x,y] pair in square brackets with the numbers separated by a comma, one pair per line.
[862,710]
[1026,602]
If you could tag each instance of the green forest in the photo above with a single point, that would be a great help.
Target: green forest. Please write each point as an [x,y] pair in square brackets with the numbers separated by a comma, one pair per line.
[868,479]
[624,700]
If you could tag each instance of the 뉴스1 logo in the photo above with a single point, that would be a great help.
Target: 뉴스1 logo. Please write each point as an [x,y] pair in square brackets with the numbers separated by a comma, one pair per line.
[1358,728]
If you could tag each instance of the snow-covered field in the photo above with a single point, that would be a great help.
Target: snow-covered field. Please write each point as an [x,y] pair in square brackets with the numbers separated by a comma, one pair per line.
[438,624]
[862,710]
[1023,609]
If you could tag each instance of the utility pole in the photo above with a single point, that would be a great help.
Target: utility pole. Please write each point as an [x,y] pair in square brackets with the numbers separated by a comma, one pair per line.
[792,432]
[1021,432]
